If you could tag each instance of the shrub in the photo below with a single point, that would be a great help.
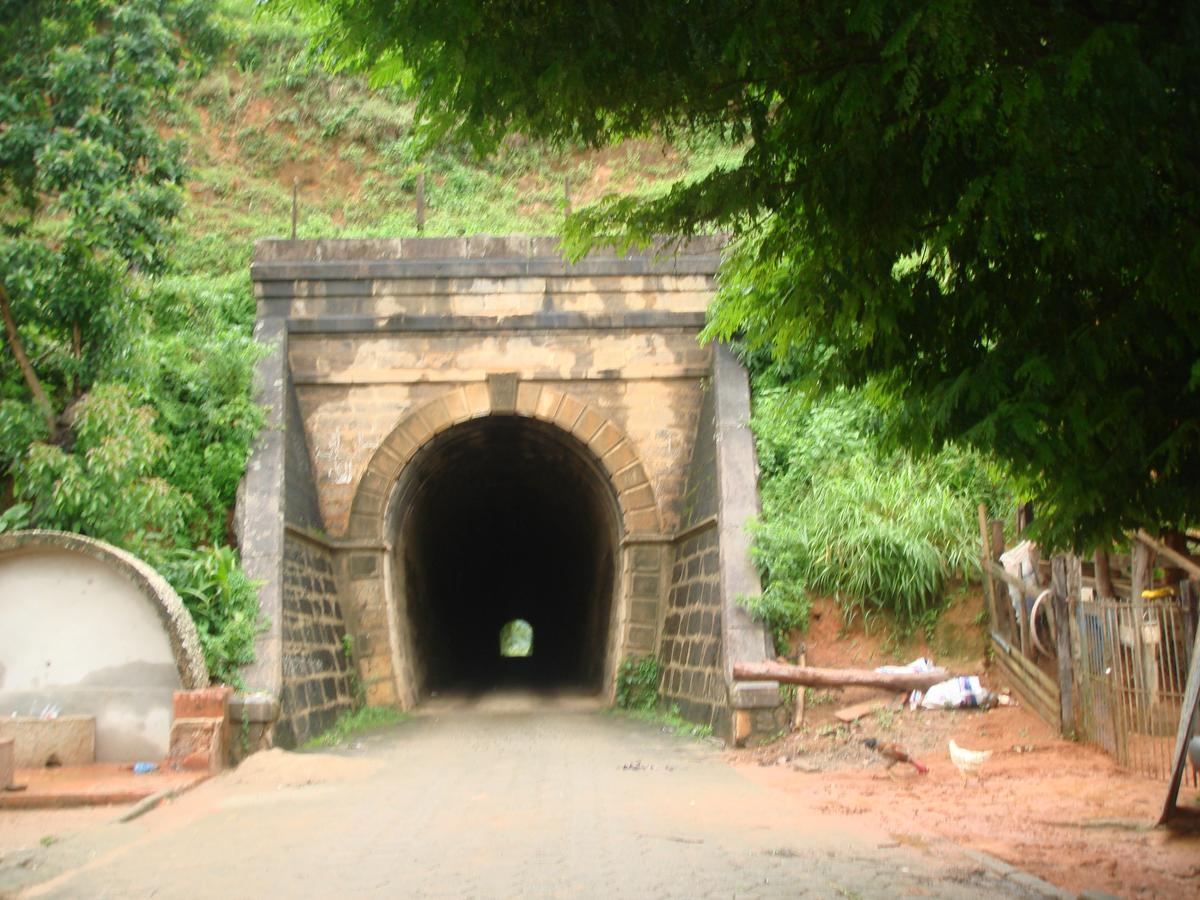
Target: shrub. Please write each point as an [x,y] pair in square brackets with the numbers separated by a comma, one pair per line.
[843,515]
[637,683]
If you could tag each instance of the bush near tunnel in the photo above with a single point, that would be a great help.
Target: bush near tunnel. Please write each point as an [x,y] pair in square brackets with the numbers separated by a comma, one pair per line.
[637,683]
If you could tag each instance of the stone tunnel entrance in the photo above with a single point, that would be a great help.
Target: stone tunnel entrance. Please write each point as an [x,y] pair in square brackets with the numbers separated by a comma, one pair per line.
[498,519]
[472,433]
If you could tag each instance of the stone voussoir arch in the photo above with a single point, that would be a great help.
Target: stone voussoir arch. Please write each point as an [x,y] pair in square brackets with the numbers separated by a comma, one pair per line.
[609,444]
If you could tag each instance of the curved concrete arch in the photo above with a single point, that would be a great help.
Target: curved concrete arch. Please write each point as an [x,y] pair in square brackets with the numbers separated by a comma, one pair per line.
[607,442]
[176,620]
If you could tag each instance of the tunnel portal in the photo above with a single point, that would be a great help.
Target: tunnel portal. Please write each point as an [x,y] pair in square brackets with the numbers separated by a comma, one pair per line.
[476,432]
[497,519]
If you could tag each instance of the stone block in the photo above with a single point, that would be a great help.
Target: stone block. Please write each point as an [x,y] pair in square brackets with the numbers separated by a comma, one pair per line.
[644,612]
[204,703]
[645,587]
[606,438]
[381,692]
[502,390]
[646,559]
[457,406]
[588,424]
[629,477]
[643,521]
[546,404]
[568,412]
[638,497]
[479,401]
[619,457]
[743,726]
[66,741]
[199,745]
[528,395]
[253,708]
[641,638]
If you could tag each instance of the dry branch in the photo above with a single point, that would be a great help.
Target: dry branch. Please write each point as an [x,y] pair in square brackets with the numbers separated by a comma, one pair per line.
[1184,562]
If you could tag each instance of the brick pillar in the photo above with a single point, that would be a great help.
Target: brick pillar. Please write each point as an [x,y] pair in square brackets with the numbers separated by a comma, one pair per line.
[199,729]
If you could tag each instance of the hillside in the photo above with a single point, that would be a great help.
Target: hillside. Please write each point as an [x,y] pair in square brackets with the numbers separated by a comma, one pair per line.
[264,116]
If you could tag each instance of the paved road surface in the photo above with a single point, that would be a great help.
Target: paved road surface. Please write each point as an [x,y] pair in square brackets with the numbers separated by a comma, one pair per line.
[493,797]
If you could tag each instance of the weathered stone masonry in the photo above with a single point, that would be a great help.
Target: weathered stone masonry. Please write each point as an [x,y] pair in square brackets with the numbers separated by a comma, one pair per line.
[315,684]
[390,363]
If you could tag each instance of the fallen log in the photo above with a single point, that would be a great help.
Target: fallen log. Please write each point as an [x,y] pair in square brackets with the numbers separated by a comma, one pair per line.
[810,676]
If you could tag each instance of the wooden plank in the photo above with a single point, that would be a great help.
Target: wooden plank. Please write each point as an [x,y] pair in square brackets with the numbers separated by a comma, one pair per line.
[1031,700]
[1191,704]
[858,710]
[1033,679]
[1041,707]
[1043,680]
[1030,685]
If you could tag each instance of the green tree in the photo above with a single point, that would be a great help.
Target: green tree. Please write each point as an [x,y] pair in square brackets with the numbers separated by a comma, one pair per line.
[125,408]
[990,213]
[88,187]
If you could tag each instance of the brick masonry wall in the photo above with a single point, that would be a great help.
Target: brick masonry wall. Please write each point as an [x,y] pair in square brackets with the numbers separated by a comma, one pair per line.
[316,684]
[690,651]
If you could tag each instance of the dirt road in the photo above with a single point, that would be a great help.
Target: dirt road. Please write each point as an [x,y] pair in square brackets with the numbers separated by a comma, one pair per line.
[490,798]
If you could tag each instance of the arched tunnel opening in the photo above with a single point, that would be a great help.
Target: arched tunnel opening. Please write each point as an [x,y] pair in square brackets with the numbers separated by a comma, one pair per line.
[501,519]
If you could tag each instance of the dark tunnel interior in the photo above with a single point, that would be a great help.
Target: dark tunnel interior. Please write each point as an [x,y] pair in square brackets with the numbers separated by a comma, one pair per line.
[505,518]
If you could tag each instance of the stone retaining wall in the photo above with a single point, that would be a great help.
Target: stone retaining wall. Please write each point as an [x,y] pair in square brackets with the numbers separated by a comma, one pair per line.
[316,686]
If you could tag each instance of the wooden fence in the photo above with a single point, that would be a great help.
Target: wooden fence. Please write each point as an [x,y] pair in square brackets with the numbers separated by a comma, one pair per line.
[1110,671]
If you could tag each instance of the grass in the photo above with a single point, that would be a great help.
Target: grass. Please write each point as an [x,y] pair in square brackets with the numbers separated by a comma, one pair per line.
[263,115]
[368,718]
[669,720]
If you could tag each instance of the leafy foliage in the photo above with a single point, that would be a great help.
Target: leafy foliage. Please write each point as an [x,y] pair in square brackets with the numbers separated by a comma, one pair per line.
[637,683]
[88,188]
[223,603]
[127,414]
[844,516]
[992,214]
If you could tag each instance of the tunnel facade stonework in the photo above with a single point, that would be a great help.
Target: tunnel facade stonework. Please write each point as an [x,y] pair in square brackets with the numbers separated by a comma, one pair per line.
[462,429]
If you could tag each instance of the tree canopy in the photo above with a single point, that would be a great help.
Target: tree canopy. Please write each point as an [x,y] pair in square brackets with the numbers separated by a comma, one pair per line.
[88,187]
[125,408]
[989,213]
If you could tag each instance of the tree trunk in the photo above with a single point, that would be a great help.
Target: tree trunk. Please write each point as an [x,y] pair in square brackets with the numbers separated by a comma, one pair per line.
[30,376]
[1104,585]
[814,677]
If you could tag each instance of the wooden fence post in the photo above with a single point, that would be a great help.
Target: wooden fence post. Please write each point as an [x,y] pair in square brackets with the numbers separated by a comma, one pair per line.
[1066,578]
[989,583]
[1144,670]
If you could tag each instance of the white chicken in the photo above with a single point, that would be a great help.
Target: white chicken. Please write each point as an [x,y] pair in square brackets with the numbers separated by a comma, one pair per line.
[968,762]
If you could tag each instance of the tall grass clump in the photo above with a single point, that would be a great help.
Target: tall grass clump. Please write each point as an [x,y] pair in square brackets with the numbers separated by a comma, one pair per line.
[878,529]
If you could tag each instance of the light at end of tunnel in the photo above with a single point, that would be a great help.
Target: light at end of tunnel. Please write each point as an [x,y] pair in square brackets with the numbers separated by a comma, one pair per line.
[516,638]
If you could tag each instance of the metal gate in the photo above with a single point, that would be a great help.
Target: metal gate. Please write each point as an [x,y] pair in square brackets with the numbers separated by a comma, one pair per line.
[1131,667]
